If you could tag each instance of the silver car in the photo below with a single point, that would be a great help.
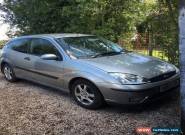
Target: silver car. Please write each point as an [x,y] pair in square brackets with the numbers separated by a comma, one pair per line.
[93,69]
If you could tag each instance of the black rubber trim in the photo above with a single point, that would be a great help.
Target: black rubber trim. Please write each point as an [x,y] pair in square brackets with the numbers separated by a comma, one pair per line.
[141,90]
[46,75]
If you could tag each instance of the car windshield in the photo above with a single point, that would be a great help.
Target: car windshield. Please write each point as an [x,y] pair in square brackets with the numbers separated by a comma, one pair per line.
[89,46]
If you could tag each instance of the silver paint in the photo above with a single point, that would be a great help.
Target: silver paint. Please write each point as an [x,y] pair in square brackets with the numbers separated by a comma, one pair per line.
[93,69]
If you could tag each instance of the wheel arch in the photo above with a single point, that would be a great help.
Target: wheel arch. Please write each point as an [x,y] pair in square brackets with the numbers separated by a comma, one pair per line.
[2,65]
[82,78]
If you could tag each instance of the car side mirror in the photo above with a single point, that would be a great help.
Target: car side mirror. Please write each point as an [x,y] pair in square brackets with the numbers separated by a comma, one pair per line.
[49,57]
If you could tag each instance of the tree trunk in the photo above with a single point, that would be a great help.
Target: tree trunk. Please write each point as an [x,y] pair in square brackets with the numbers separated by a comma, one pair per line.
[182,59]
[150,47]
[171,12]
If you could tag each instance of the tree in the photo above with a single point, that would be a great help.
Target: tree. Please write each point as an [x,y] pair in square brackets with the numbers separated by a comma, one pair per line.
[182,59]
[2,43]
[103,17]
[113,19]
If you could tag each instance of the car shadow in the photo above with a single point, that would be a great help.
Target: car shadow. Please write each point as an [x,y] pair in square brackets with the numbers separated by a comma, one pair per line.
[115,108]
[152,106]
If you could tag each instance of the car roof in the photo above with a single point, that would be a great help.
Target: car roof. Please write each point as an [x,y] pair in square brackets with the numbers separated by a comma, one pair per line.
[61,35]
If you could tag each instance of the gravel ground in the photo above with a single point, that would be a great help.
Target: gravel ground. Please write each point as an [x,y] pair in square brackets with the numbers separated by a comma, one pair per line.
[27,108]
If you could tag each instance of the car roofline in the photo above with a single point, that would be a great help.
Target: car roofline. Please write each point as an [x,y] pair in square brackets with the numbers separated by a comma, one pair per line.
[54,35]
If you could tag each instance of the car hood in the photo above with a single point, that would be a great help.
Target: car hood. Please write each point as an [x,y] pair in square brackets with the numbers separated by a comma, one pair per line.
[132,63]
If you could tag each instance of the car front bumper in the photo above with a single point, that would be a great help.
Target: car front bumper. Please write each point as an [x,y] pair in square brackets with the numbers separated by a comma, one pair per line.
[138,94]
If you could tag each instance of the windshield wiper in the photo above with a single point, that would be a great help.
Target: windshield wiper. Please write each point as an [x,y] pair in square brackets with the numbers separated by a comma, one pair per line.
[106,54]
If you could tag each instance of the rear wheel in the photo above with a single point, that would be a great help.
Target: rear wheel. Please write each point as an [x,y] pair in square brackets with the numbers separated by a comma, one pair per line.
[9,73]
[86,94]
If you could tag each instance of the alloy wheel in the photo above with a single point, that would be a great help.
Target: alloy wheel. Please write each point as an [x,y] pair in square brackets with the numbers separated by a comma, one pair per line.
[84,94]
[8,73]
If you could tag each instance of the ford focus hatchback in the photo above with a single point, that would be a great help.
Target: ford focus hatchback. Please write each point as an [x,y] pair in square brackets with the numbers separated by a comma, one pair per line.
[94,70]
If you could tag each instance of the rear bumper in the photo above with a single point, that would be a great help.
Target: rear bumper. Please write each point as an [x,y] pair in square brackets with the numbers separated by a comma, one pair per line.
[139,94]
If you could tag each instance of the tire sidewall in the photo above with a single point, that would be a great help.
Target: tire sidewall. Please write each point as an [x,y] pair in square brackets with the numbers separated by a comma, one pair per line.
[13,74]
[98,102]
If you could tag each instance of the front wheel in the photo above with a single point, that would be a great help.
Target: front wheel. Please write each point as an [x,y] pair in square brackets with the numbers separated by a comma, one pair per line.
[9,73]
[86,94]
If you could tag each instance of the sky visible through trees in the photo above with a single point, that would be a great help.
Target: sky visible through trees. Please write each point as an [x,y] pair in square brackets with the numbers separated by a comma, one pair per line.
[112,19]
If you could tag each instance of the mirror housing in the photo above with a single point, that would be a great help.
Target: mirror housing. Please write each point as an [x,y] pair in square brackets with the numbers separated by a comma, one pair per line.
[49,57]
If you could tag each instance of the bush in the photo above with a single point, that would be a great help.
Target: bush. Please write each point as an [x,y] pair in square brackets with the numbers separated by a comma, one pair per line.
[2,43]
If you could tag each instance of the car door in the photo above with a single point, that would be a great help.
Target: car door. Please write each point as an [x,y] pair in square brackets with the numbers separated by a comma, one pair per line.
[48,72]
[19,57]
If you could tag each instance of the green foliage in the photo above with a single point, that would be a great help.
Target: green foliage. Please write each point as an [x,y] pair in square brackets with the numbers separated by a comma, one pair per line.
[108,18]
[2,43]
[165,28]
[103,17]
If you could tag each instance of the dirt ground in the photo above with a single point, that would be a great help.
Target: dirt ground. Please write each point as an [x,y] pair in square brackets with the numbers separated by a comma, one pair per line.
[27,108]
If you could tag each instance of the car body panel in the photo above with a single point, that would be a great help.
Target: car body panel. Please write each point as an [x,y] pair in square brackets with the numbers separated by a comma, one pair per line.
[132,63]
[59,74]
[121,93]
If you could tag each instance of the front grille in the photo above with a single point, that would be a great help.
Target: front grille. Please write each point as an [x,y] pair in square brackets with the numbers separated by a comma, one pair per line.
[162,76]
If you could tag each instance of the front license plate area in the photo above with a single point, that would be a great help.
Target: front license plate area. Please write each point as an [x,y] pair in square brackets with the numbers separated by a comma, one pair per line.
[164,88]
[168,86]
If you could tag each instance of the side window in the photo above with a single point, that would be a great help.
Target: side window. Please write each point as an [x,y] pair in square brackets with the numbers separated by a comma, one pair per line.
[41,46]
[20,45]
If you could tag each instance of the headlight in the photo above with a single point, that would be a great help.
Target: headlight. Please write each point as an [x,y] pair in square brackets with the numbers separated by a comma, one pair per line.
[125,78]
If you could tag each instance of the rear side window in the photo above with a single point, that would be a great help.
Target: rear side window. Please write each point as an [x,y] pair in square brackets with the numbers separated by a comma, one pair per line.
[41,46]
[20,45]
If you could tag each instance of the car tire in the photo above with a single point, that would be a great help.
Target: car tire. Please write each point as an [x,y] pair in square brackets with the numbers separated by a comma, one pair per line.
[9,73]
[86,94]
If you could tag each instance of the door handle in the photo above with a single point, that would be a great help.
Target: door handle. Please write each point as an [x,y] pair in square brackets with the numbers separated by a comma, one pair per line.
[27,58]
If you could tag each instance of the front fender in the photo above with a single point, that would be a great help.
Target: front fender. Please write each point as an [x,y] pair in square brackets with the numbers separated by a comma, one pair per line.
[93,77]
